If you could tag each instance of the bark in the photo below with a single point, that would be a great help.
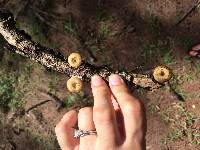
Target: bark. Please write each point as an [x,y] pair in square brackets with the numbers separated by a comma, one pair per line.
[21,43]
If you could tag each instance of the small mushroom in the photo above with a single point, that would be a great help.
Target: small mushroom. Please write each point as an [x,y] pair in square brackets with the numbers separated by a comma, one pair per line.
[74,60]
[74,85]
[162,74]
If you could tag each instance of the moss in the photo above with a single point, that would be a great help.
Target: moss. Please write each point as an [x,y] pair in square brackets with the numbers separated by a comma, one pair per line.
[55,79]
[104,31]
[46,143]
[187,43]
[71,26]
[37,28]
[78,100]
[155,25]
[2,43]
[183,124]
[47,4]
[10,97]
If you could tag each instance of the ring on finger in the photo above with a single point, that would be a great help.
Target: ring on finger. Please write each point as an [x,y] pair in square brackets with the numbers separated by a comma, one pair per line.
[80,133]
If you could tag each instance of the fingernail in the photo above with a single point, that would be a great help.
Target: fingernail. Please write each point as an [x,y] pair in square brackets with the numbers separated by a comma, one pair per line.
[115,80]
[97,80]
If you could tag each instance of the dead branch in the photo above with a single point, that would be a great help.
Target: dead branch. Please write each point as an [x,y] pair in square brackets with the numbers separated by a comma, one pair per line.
[188,13]
[60,103]
[47,15]
[37,105]
[52,59]
[67,2]
[175,93]
[46,22]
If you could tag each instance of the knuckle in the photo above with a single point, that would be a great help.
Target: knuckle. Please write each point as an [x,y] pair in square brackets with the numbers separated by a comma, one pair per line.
[85,110]
[103,90]
[58,128]
[120,89]
[130,104]
[102,115]
[98,110]
[121,94]
[133,106]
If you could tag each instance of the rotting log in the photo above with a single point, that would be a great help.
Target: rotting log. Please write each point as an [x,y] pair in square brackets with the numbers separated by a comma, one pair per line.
[21,43]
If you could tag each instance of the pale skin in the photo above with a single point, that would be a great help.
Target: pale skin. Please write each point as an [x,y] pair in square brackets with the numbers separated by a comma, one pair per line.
[117,116]
[195,50]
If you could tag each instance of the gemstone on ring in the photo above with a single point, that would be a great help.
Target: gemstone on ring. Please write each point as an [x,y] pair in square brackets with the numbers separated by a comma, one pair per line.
[81,133]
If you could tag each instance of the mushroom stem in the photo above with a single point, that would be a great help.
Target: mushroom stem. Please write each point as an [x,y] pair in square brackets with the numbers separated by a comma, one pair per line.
[21,43]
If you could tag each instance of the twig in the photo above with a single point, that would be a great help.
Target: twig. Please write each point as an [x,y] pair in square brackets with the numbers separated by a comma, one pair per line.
[85,47]
[47,22]
[59,102]
[188,13]
[47,14]
[13,144]
[20,6]
[178,96]
[55,98]
[67,2]
[37,105]
[52,59]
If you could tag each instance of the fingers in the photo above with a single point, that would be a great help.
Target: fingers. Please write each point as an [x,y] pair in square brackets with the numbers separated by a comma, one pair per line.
[64,131]
[121,93]
[103,112]
[196,48]
[193,53]
[85,123]
[114,103]
[131,108]
[85,119]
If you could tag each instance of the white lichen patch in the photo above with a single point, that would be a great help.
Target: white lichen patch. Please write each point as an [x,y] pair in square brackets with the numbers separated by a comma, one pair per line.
[10,36]
[145,82]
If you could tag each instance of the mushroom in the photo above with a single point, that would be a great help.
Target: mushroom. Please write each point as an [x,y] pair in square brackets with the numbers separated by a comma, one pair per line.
[74,60]
[74,84]
[162,74]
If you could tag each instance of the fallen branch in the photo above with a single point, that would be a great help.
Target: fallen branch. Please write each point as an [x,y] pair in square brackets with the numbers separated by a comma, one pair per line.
[59,103]
[188,13]
[176,94]
[37,105]
[22,44]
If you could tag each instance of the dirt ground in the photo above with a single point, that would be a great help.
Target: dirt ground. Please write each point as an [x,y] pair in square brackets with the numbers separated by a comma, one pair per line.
[123,34]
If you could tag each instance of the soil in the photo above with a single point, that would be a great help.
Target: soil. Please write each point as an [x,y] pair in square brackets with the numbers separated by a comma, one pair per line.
[141,30]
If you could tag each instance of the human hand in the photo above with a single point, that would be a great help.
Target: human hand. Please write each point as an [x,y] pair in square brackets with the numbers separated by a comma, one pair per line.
[117,116]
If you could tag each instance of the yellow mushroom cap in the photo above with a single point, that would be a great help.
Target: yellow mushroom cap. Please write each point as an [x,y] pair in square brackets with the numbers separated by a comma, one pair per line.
[74,84]
[162,74]
[74,60]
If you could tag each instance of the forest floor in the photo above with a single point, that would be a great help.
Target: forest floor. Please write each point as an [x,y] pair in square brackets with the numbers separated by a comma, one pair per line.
[123,34]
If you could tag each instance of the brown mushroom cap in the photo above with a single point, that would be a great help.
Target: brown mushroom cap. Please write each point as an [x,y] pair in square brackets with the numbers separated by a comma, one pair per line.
[162,74]
[74,60]
[74,85]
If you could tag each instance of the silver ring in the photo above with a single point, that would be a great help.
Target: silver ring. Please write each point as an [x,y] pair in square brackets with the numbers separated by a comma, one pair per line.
[81,133]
